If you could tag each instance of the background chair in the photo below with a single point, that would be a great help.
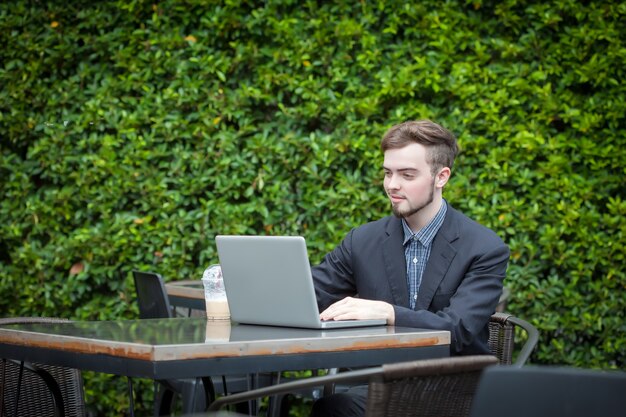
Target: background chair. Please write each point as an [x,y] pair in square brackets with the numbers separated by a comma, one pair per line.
[151,296]
[153,304]
[32,389]
[543,391]
[433,387]
[502,344]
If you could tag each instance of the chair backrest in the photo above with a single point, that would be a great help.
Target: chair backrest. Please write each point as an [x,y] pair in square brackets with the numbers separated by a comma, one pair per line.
[434,387]
[503,301]
[151,296]
[544,391]
[42,390]
[502,338]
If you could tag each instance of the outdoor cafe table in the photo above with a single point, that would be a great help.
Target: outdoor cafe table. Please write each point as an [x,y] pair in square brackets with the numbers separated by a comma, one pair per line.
[195,347]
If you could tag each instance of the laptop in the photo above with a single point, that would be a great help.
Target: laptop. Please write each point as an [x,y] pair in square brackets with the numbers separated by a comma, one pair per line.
[268,281]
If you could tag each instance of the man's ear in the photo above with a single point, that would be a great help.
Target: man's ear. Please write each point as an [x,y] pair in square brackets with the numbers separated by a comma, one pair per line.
[442,177]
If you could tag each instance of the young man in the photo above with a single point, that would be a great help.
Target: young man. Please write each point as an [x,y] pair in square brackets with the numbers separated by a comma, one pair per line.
[427,266]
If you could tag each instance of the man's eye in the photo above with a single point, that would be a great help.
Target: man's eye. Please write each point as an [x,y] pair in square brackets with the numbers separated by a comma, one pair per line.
[408,176]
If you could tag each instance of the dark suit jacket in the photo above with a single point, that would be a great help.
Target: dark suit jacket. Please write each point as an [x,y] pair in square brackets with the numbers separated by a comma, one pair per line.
[460,287]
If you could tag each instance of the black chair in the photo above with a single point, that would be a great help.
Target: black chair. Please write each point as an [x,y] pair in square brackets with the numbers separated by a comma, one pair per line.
[151,296]
[432,387]
[502,343]
[154,303]
[32,389]
[544,391]
[195,394]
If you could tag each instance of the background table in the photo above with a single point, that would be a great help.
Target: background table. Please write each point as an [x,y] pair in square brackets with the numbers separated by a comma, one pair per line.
[186,294]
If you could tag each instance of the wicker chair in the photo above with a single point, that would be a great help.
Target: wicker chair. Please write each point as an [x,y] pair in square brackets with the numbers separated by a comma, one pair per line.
[432,387]
[548,391]
[32,389]
[502,339]
[501,342]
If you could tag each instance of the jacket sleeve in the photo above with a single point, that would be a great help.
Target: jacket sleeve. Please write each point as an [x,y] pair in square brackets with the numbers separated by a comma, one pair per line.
[333,277]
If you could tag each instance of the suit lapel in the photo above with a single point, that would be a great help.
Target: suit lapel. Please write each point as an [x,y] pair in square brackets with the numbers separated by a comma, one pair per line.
[441,255]
[395,262]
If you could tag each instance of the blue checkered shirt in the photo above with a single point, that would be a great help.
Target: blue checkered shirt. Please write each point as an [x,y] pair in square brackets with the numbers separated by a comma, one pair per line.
[417,248]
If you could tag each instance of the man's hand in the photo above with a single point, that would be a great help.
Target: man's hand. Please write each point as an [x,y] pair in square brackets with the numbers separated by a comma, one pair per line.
[358,309]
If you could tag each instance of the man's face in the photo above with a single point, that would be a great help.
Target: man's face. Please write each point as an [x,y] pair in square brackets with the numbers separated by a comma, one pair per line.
[408,180]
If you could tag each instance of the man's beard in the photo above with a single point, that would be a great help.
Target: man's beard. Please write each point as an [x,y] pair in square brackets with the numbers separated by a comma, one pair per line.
[412,210]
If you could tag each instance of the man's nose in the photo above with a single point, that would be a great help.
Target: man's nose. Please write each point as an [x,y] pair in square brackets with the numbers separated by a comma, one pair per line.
[393,183]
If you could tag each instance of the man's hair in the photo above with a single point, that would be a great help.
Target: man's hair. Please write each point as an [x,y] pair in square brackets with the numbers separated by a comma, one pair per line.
[440,143]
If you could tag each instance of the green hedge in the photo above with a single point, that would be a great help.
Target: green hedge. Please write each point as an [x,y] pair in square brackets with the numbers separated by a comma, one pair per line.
[133,132]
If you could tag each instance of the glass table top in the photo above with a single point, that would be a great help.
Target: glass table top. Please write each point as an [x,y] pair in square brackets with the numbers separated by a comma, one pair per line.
[191,330]
[184,338]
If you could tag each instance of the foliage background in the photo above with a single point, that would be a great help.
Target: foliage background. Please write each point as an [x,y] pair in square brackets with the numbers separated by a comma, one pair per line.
[132,132]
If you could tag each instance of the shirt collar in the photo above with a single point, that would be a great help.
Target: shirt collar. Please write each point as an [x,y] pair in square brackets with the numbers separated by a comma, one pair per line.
[427,233]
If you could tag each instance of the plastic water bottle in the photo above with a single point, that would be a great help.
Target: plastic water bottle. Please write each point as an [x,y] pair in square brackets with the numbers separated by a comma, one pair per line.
[215,294]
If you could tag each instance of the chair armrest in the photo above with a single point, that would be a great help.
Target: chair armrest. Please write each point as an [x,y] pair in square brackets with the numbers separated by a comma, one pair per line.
[531,342]
[350,376]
